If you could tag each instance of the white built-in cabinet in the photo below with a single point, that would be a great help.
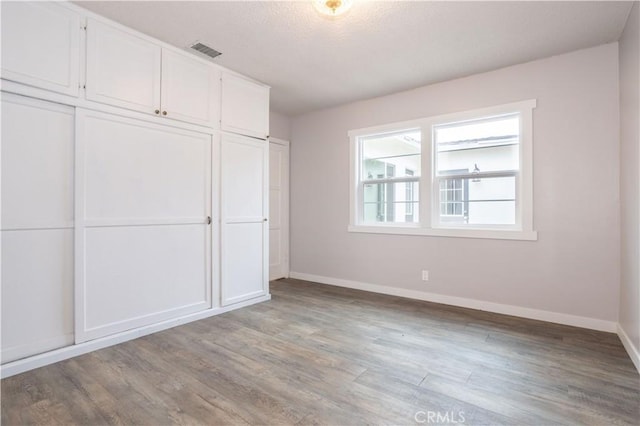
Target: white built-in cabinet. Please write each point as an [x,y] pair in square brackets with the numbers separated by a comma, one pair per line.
[41,45]
[244,227]
[134,184]
[129,71]
[245,106]
[37,149]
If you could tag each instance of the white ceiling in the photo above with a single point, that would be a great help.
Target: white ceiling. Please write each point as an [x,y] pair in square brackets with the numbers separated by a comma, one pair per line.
[379,47]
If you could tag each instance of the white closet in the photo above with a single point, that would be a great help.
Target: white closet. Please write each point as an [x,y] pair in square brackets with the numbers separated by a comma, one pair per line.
[134,195]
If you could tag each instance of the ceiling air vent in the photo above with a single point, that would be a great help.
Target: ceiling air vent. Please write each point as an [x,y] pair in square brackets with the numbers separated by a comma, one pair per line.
[205,50]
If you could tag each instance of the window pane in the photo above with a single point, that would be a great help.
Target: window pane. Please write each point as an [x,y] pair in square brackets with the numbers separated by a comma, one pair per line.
[492,213]
[486,201]
[391,155]
[482,145]
[391,202]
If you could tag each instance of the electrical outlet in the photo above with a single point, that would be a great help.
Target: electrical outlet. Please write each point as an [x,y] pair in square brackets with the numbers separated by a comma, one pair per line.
[425,275]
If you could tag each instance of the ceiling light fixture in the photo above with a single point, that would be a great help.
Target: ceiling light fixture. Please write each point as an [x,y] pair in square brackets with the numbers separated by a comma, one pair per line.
[332,7]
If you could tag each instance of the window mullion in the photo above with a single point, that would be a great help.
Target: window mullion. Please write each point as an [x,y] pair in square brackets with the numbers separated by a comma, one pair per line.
[426,177]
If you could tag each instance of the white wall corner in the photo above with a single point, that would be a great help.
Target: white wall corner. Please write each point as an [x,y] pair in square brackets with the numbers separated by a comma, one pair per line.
[632,350]
[498,308]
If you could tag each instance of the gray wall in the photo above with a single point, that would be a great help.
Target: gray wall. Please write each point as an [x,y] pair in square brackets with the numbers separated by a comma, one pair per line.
[629,178]
[279,126]
[574,266]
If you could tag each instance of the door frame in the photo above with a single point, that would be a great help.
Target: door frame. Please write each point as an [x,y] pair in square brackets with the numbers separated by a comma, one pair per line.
[284,212]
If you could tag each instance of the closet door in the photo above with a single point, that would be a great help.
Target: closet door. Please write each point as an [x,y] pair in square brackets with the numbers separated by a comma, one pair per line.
[244,233]
[37,226]
[41,45]
[122,68]
[144,235]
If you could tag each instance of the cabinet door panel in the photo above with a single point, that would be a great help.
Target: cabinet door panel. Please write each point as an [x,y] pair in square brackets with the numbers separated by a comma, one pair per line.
[190,89]
[245,107]
[122,69]
[242,165]
[136,170]
[140,275]
[243,262]
[244,233]
[37,163]
[37,291]
[40,45]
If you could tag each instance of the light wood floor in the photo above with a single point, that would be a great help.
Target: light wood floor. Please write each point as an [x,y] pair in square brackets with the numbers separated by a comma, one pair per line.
[318,354]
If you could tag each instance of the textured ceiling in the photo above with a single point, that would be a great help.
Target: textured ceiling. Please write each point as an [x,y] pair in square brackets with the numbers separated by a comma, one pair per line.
[377,48]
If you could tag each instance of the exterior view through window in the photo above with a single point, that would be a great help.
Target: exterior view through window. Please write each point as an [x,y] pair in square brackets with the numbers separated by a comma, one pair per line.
[476,167]
[390,174]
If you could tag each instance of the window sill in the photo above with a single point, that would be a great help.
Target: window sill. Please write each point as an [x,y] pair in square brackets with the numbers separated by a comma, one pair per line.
[439,232]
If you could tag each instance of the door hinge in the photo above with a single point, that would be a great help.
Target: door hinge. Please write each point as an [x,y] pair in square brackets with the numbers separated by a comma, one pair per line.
[208,220]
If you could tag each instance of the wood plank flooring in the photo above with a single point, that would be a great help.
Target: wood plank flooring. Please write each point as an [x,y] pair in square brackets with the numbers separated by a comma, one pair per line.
[318,354]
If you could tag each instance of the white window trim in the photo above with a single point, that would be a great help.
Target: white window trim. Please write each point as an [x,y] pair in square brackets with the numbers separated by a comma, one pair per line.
[427,225]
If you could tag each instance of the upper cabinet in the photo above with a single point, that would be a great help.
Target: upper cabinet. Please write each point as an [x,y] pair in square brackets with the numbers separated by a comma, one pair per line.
[122,69]
[245,106]
[130,72]
[190,89]
[41,45]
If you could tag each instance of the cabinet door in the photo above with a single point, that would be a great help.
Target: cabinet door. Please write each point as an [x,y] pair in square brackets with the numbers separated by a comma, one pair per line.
[190,89]
[245,107]
[122,68]
[40,45]
[244,233]
[143,237]
[37,226]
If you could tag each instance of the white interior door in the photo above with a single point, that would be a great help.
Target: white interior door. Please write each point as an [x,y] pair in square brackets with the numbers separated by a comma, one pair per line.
[37,147]
[244,206]
[143,234]
[278,209]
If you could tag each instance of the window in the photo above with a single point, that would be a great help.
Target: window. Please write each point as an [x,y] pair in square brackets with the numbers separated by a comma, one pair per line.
[390,171]
[466,174]
[485,156]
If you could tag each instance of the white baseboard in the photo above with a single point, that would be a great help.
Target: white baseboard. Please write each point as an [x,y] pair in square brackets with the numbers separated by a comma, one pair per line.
[518,311]
[36,361]
[632,350]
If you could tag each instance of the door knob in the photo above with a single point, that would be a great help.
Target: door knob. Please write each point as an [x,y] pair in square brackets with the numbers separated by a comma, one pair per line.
[164,112]
[157,111]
